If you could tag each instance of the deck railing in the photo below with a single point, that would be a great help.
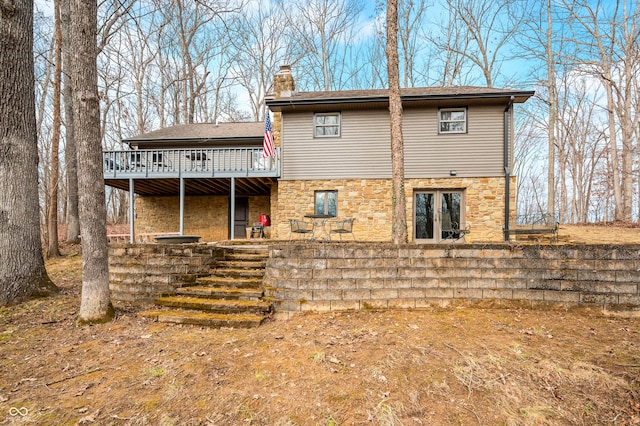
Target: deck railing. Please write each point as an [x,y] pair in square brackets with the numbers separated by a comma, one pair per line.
[194,163]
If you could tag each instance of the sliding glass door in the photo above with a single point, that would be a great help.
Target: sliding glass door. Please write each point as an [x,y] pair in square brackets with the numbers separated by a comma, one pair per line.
[438,215]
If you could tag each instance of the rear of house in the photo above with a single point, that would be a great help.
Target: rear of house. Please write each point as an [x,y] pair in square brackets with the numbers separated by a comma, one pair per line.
[334,159]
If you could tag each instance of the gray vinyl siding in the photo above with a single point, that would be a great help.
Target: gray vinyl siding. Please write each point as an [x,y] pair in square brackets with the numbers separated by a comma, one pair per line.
[363,150]
[479,152]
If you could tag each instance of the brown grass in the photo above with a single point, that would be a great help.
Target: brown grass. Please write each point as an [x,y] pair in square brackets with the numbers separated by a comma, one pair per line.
[399,367]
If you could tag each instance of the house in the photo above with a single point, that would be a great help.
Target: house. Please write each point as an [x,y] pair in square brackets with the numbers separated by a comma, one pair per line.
[334,158]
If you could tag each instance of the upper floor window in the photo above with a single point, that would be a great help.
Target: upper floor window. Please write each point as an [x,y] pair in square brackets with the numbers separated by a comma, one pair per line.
[452,120]
[326,125]
[326,202]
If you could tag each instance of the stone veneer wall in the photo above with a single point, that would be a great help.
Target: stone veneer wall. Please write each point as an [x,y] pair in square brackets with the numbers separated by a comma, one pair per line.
[325,277]
[207,216]
[369,202]
[142,272]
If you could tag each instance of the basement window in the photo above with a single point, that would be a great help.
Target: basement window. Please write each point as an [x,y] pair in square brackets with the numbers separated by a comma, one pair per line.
[326,202]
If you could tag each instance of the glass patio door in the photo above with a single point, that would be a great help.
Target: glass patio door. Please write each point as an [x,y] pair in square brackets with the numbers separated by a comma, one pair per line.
[437,215]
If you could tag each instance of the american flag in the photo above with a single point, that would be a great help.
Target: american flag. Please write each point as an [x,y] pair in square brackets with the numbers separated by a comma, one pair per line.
[269,149]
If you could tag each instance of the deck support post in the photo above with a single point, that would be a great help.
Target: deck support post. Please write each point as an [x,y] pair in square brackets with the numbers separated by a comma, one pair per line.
[181,205]
[132,217]
[232,209]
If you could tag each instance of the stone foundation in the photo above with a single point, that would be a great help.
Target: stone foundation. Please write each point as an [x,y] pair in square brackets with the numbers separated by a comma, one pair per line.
[369,202]
[207,216]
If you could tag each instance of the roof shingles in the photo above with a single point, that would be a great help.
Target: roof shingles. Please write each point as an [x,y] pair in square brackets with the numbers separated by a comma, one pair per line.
[221,131]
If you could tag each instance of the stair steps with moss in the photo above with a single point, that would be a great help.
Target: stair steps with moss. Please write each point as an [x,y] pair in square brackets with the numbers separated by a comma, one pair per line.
[222,293]
[206,319]
[232,296]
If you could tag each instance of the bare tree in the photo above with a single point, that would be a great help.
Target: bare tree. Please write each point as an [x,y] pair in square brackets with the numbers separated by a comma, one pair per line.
[399,216]
[582,153]
[22,271]
[320,32]
[487,28]
[609,47]
[259,42]
[52,222]
[450,41]
[95,304]
[72,216]
[412,16]
[551,82]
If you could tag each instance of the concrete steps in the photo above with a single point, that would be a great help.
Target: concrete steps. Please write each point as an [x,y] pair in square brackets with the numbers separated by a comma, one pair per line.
[206,319]
[222,293]
[231,296]
[221,306]
[231,282]
[238,272]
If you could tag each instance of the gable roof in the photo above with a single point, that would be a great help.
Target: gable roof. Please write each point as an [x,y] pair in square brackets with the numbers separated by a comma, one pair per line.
[380,97]
[202,133]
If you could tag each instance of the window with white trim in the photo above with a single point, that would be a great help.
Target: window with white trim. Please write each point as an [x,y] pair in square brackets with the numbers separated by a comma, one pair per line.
[326,125]
[452,120]
[326,202]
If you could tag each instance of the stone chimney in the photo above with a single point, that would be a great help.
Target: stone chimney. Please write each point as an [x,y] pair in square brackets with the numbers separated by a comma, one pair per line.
[283,84]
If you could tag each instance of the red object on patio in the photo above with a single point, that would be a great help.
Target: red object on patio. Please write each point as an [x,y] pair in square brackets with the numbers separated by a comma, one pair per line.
[264,220]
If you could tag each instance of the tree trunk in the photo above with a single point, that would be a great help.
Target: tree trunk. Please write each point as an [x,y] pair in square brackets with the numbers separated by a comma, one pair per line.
[551,82]
[22,271]
[95,304]
[73,221]
[399,217]
[52,222]
[613,146]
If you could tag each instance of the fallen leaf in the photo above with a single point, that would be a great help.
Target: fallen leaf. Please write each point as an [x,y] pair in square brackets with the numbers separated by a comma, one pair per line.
[91,418]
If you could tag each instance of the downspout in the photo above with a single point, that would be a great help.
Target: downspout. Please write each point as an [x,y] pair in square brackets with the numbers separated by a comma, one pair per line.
[507,172]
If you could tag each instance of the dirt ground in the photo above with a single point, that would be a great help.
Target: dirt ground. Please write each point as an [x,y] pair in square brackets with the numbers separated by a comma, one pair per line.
[457,366]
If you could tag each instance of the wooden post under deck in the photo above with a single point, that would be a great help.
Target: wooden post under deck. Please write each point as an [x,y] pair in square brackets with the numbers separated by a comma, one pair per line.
[132,236]
[232,209]
[181,206]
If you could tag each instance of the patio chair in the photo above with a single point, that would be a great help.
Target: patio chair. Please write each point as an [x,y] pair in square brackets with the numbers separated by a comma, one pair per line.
[342,227]
[300,227]
[454,232]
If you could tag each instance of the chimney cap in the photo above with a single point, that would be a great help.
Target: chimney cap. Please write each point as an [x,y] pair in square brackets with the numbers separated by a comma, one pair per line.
[285,69]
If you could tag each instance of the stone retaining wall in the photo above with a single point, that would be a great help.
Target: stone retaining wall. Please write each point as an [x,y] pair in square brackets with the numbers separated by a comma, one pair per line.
[142,272]
[324,277]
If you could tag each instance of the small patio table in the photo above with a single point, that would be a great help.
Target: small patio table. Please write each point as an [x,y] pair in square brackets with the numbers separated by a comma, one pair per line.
[321,230]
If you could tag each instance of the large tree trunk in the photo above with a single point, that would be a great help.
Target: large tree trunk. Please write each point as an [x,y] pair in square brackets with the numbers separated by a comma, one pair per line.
[399,218]
[73,221]
[22,271]
[52,222]
[95,304]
